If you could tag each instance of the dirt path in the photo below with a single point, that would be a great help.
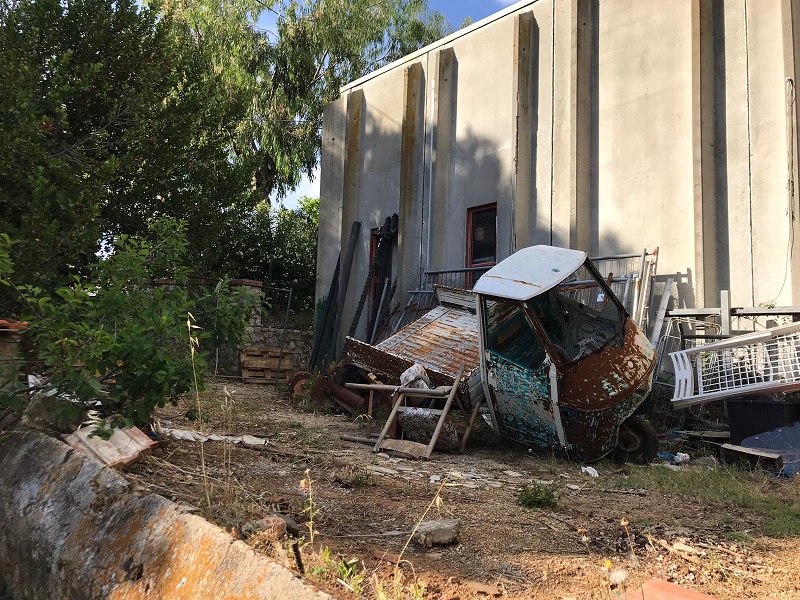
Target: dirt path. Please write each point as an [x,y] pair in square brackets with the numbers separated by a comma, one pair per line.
[369,503]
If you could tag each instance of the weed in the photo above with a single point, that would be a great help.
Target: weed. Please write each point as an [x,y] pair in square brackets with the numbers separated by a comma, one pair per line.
[616,579]
[726,520]
[584,538]
[350,576]
[306,400]
[194,344]
[361,479]
[228,408]
[310,509]
[536,495]
[739,536]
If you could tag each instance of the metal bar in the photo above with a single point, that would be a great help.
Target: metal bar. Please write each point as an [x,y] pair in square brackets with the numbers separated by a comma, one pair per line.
[562,438]
[319,337]
[626,290]
[759,311]
[662,309]
[440,392]
[348,266]
[449,271]
[725,311]
[693,312]
[443,416]
[380,311]
[619,256]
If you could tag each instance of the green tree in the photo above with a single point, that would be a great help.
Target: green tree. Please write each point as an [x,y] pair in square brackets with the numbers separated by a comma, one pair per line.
[322,45]
[112,113]
[117,340]
[108,116]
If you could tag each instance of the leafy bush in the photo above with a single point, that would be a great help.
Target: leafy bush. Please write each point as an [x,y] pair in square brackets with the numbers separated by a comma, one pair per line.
[117,341]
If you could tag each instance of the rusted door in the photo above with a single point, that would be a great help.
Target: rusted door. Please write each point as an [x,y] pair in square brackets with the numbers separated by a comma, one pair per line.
[517,375]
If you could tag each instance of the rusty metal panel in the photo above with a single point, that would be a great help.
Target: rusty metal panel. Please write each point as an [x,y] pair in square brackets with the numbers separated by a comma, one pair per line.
[441,341]
[521,402]
[591,435]
[602,380]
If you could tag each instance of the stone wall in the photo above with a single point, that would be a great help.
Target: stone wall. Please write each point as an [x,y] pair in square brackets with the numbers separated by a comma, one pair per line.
[296,343]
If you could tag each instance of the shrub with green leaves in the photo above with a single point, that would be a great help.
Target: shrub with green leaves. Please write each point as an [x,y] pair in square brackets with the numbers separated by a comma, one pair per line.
[536,495]
[117,340]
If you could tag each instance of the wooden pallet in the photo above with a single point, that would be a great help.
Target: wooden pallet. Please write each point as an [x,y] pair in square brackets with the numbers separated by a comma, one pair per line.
[265,365]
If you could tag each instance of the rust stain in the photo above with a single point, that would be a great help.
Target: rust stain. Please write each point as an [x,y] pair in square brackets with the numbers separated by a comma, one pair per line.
[514,280]
[602,380]
[441,341]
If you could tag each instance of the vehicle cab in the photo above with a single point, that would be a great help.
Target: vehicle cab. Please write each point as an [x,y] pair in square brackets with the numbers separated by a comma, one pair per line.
[563,365]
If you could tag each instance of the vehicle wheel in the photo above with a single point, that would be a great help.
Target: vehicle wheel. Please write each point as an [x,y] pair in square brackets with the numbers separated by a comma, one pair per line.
[637,441]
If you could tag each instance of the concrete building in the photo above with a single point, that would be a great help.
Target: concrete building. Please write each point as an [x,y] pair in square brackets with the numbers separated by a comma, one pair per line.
[602,125]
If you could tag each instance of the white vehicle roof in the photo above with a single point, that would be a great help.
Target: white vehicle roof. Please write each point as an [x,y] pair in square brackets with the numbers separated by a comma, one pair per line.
[529,272]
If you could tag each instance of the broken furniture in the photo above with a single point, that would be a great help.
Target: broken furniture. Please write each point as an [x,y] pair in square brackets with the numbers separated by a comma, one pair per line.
[442,340]
[755,374]
[547,343]
[401,395]
[755,363]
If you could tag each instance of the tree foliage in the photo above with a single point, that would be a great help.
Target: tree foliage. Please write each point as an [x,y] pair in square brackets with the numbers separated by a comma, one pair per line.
[118,341]
[113,112]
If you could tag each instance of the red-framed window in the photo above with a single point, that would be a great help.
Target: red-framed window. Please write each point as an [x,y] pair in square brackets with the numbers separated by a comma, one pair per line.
[482,235]
[481,238]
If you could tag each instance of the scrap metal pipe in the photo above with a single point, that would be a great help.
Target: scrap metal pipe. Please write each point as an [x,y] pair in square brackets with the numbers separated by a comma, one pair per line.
[352,399]
[439,392]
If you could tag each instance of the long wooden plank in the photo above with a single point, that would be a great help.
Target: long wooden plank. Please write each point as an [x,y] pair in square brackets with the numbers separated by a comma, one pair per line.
[472,418]
[398,402]
[756,457]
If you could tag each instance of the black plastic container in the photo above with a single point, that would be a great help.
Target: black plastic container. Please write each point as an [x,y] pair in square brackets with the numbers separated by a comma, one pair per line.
[751,415]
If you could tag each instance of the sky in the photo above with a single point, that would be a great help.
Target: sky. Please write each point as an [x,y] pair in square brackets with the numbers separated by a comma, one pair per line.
[455,11]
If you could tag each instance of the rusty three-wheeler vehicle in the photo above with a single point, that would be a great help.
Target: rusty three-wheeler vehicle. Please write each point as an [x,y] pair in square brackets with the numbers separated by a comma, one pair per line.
[548,346]
[562,363]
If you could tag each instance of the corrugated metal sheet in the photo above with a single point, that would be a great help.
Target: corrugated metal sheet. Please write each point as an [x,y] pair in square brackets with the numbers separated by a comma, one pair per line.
[443,340]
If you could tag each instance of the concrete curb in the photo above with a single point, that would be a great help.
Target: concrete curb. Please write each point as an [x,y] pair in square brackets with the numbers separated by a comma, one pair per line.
[72,528]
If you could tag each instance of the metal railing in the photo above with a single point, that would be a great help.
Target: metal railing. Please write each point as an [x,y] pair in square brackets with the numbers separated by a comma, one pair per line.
[629,276]
[422,298]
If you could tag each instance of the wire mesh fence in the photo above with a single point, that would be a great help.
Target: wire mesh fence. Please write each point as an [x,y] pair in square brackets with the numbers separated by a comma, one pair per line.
[761,362]
[681,333]
[422,299]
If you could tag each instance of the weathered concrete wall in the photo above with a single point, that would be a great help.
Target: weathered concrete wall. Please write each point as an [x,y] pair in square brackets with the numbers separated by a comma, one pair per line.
[606,125]
[643,170]
[71,528]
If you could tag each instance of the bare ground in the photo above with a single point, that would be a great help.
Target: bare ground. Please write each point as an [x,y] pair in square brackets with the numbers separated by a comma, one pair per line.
[368,504]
